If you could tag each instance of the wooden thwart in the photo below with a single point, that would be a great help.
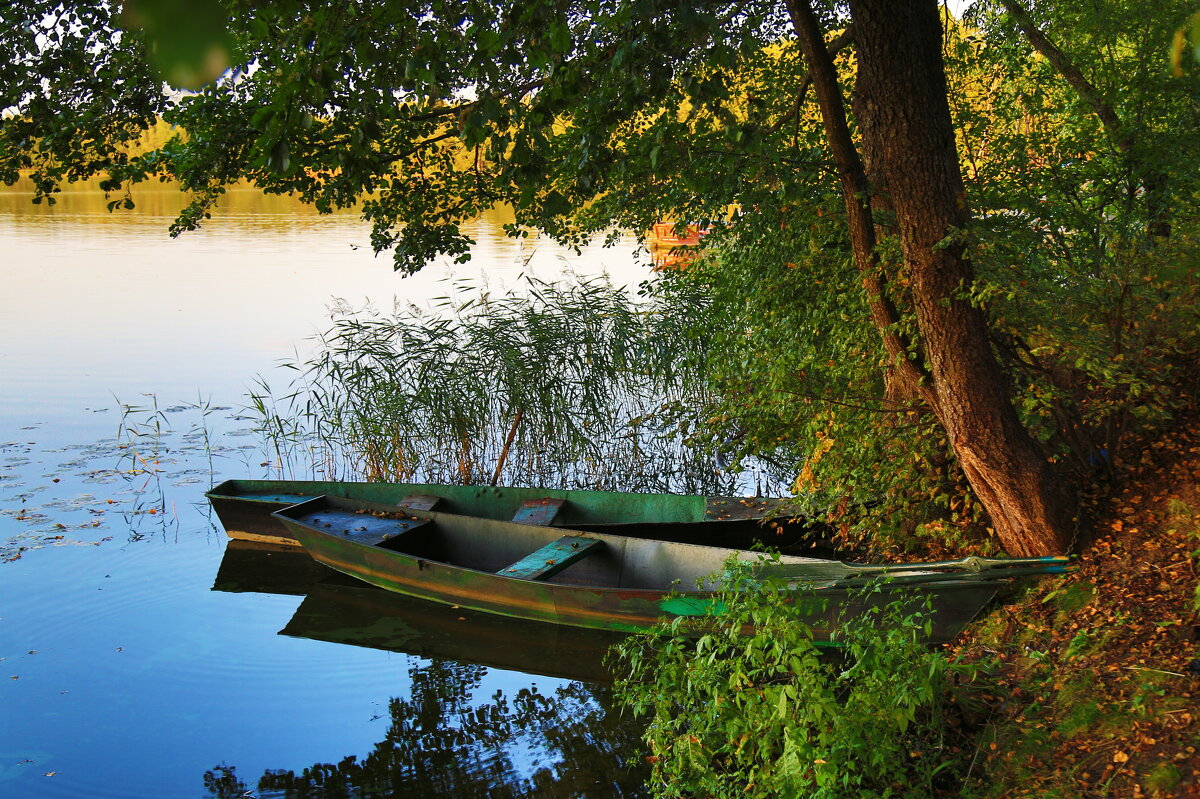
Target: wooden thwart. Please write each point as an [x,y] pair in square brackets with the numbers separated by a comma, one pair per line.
[552,558]
[538,511]
[419,502]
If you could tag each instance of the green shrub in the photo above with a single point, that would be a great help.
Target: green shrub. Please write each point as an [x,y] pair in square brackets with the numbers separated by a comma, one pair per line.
[770,713]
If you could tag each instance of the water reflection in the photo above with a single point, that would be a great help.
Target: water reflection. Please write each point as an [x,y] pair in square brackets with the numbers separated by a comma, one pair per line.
[101,303]
[443,738]
[125,674]
[443,742]
[155,203]
[363,615]
[262,568]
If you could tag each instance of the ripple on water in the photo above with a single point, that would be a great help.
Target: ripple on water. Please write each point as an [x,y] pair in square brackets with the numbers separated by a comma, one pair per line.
[160,596]
[42,782]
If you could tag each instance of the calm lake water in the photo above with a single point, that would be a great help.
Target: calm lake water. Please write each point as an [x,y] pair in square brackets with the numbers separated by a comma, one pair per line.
[142,654]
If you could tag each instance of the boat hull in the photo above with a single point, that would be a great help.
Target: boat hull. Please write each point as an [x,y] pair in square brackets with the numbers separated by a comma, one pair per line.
[245,509]
[628,588]
[365,616]
[339,609]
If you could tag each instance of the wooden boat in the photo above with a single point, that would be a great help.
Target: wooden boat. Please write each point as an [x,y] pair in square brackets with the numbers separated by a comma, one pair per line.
[599,580]
[663,234]
[339,609]
[245,507]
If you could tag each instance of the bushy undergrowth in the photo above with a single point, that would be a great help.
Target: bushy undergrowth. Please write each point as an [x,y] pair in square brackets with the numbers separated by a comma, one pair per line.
[769,713]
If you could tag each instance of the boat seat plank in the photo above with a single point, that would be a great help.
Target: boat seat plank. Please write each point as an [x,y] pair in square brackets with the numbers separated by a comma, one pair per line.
[361,528]
[419,502]
[552,558]
[540,512]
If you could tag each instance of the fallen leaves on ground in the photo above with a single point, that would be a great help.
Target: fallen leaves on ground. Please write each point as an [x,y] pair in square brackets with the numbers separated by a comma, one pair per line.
[1091,680]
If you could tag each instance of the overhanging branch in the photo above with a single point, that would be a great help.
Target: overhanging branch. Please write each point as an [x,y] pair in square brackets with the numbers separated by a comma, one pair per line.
[839,43]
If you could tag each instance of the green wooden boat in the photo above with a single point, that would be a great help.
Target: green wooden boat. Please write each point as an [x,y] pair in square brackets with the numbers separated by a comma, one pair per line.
[365,616]
[339,609]
[602,580]
[245,507]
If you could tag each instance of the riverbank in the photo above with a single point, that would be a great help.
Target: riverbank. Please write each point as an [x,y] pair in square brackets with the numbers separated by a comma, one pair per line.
[1089,683]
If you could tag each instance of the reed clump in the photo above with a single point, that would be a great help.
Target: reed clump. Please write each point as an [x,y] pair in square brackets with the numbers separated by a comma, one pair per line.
[574,384]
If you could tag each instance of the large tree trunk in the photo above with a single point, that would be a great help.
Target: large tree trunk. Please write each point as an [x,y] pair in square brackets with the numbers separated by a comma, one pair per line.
[906,118]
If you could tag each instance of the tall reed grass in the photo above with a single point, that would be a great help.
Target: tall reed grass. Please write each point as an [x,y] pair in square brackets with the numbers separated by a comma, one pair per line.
[574,385]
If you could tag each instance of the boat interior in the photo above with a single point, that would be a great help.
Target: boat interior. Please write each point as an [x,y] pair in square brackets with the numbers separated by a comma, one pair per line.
[735,522]
[522,551]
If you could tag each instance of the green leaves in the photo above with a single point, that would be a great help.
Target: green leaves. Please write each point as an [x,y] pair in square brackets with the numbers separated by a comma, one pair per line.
[189,40]
[751,707]
[1187,36]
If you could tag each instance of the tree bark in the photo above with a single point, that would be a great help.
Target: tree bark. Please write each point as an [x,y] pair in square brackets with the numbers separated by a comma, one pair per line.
[906,379]
[906,120]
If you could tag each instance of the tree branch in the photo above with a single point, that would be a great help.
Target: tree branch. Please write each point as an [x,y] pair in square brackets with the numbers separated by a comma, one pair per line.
[1061,62]
[1151,175]
[855,191]
[391,158]
[453,110]
[839,43]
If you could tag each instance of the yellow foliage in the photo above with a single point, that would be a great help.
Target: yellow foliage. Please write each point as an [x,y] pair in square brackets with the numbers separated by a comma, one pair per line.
[807,481]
